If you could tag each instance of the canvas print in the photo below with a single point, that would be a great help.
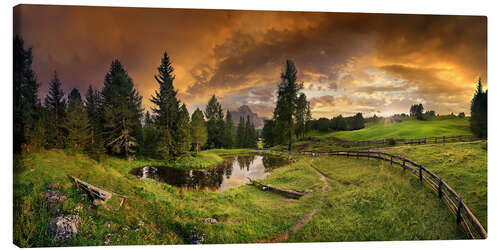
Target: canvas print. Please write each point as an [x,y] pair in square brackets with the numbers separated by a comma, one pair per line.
[157,126]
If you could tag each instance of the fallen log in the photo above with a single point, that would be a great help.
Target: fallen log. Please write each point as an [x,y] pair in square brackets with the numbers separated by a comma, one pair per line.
[285,191]
[98,195]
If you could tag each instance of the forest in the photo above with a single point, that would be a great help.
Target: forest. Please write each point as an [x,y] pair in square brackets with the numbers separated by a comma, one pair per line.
[112,120]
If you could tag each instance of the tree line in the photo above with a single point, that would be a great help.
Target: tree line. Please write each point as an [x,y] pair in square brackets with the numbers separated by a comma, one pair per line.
[479,112]
[112,120]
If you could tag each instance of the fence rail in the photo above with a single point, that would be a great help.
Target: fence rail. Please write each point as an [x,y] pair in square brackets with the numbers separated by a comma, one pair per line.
[381,142]
[464,216]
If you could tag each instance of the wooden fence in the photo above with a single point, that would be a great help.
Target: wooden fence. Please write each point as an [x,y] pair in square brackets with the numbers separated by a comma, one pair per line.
[464,216]
[382,142]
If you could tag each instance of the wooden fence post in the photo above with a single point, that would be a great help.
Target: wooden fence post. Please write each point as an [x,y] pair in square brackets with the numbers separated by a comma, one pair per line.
[459,207]
[444,138]
[391,160]
[420,172]
[440,188]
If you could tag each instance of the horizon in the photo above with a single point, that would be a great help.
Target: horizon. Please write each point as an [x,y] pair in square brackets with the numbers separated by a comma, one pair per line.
[348,62]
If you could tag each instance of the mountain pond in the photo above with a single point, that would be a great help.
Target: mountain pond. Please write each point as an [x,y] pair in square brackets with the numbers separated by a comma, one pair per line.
[232,172]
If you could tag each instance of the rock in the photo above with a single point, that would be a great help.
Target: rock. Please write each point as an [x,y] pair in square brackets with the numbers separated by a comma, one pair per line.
[54,210]
[141,223]
[53,186]
[125,229]
[210,221]
[64,227]
[195,237]
[107,240]
[54,197]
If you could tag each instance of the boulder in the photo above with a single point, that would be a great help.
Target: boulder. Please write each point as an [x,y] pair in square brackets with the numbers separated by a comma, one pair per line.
[53,186]
[64,227]
[210,221]
[53,200]
[195,237]
[54,197]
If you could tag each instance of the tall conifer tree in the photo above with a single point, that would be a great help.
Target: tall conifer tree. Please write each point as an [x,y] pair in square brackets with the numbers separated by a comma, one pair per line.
[166,108]
[215,123]
[286,105]
[76,123]
[93,106]
[122,111]
[228,131]
[26,103]
[55,104]
[198,130]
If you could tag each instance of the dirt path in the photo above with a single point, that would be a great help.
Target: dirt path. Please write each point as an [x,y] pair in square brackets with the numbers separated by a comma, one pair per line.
[306,218]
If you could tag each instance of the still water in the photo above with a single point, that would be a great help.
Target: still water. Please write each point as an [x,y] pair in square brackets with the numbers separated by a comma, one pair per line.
[232,172]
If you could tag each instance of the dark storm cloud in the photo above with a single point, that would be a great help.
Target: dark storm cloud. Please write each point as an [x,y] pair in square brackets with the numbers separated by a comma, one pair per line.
[377,62]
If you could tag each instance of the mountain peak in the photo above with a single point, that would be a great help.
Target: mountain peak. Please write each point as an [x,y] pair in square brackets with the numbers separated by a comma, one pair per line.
[245,111]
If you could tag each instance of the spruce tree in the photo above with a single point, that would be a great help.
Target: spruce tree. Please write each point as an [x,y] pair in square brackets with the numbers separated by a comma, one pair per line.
[93,106]
[228,131]
[183,135]
[166,108]
[150,137]
[479,112]
[286,105]
[268,133]
[215,123]
[122,111]
[198,130]
[26,102]
[240,133]
[302,114]
[76,123]
[251,134]
[55,104]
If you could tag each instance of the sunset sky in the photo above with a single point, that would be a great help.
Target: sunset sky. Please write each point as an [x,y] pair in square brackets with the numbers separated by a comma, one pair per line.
[369,63]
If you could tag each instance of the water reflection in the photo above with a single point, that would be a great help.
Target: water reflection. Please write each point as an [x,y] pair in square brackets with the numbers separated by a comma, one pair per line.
[230,173]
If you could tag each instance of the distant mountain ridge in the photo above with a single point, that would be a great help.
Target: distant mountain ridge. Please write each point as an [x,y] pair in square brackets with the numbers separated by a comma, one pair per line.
[245,111]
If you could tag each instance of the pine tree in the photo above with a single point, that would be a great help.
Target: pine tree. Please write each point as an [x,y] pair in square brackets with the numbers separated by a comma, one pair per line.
[198,130]
[166,108]
[240,133]
[286,105]
[26,102]
[122,111]
[479,112]
[302,114]
[228,131]
[183,135]
[251,134]
[248,133]
[150,137]
[268,133]
[215,123]
[76,123]
[55,104]
[93,106]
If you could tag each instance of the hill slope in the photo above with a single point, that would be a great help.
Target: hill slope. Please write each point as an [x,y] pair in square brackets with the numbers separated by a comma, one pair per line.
[405,130]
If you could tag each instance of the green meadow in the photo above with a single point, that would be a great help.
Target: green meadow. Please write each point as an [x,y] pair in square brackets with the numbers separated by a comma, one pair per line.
[406,129]
[357,200]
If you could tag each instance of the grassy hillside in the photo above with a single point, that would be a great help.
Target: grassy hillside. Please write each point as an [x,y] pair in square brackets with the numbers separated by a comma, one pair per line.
[168,213]
[462,166]
[405,130]
[372,200]
[363,199]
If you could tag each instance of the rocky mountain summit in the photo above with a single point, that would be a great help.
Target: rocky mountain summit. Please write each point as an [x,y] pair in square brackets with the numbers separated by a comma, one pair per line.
[245,111]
